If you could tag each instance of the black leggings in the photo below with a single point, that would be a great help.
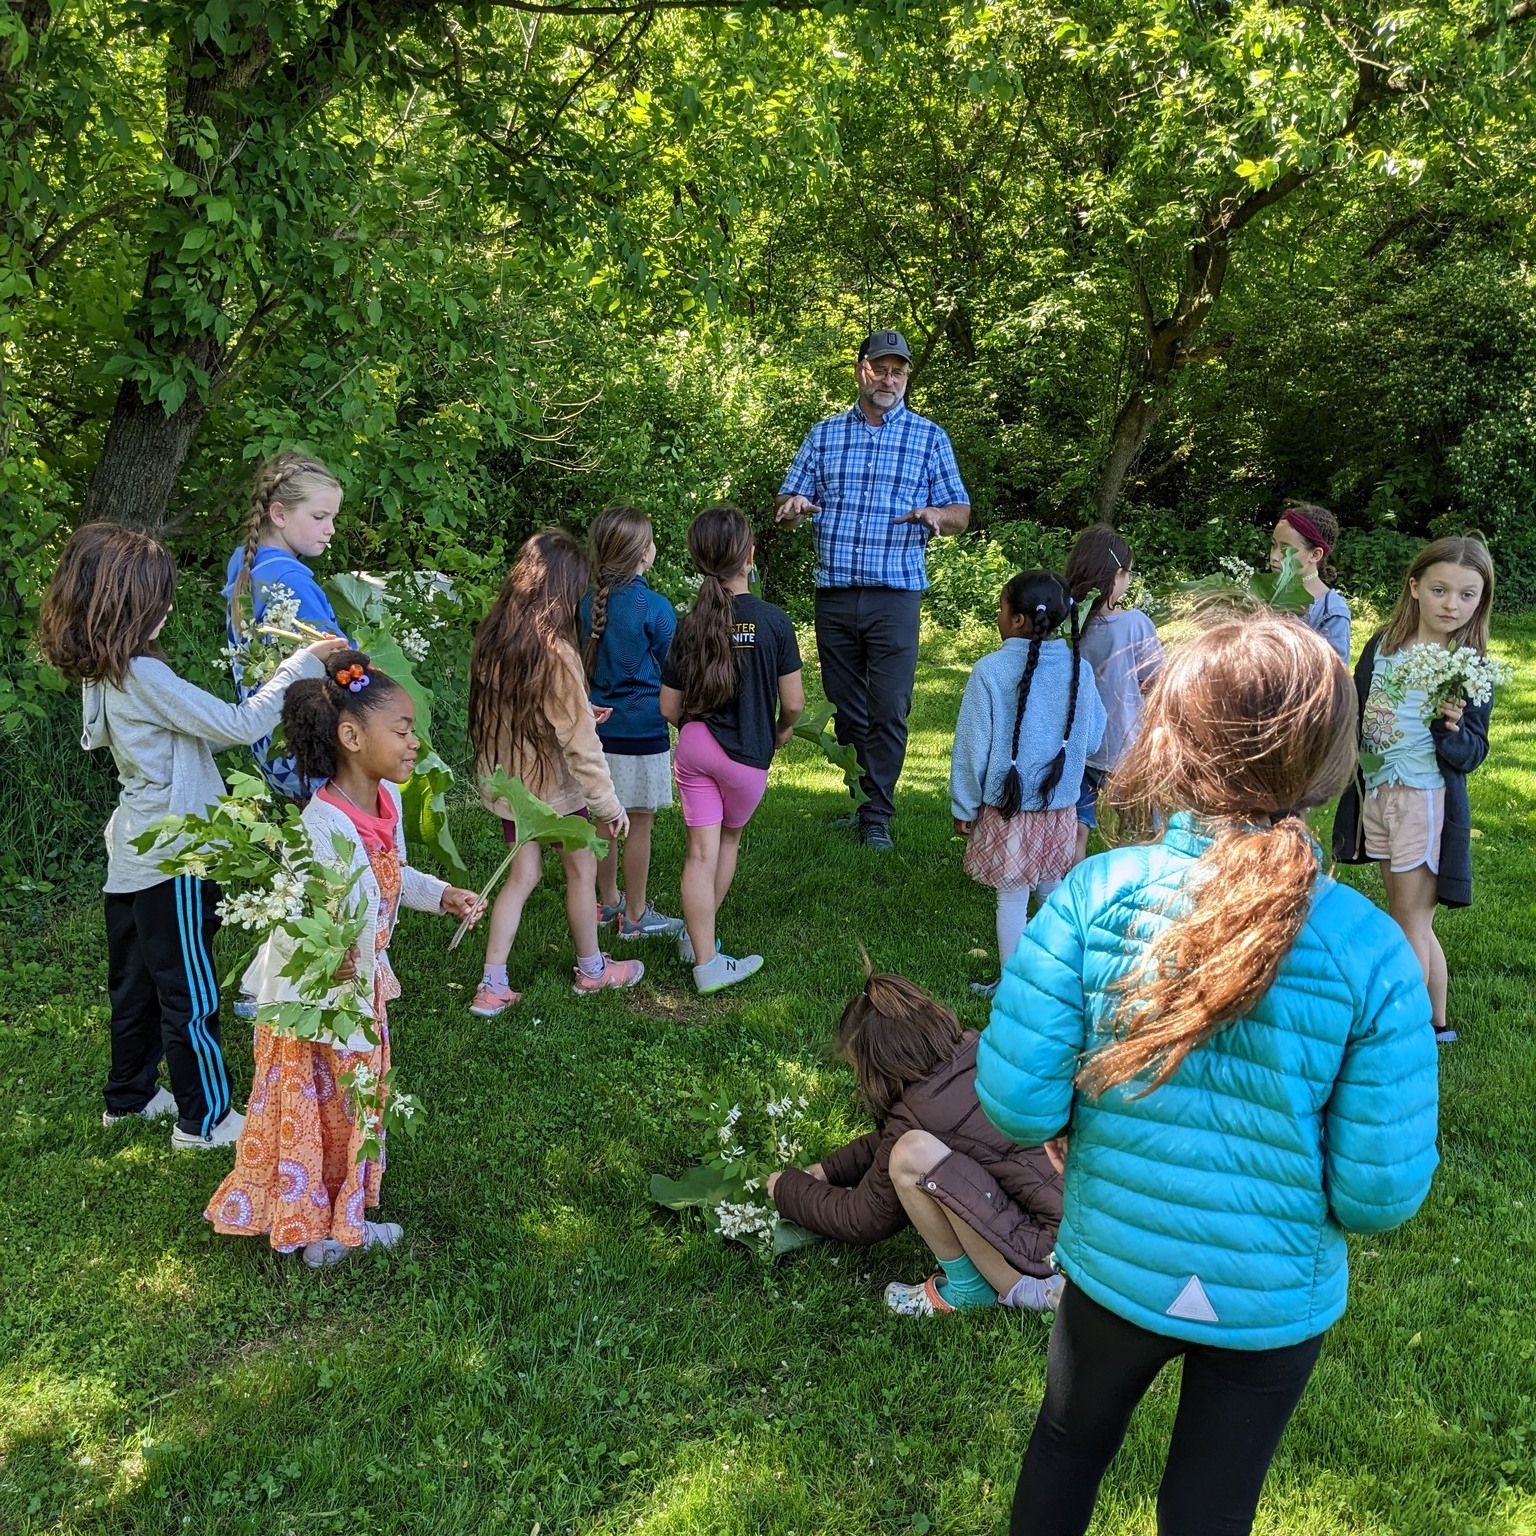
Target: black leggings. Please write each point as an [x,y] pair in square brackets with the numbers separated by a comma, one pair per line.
[1233,1407]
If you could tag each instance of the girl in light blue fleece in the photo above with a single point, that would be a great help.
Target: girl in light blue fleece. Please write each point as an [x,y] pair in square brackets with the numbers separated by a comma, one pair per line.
[1029,717]
[1225,1053]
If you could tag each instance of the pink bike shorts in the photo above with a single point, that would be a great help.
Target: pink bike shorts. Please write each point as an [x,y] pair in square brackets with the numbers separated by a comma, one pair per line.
[715,789]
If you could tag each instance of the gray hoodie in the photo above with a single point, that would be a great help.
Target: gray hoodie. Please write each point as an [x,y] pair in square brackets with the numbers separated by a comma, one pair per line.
[163,733]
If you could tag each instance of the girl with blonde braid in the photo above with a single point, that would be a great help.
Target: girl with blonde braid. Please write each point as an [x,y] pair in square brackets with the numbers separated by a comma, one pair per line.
[294,502]
[626,631]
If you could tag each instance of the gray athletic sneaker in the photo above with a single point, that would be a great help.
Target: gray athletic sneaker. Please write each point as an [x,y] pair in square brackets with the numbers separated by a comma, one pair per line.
[650,925]
[724,971]
[606,914]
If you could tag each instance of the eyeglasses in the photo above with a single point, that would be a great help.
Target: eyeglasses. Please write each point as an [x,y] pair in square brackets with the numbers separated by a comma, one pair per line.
[891,371]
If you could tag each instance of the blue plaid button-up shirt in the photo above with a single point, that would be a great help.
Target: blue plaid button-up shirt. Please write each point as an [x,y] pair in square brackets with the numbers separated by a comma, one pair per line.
[863,478]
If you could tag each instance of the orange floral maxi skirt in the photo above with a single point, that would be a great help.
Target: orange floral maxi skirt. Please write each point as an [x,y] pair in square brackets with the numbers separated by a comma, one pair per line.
[297,1178]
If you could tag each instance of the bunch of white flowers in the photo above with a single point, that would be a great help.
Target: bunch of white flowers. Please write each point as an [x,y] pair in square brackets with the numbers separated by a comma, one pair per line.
[730,1148]
[1238,570]
[265,906]
[745,1220]
[413,643]
[259,655]
[1452,672]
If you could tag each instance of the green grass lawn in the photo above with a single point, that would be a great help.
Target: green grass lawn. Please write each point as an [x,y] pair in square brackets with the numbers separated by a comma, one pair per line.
[551,1353]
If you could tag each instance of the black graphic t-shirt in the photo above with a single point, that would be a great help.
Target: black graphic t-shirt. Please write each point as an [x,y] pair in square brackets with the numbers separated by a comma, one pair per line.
[766,650]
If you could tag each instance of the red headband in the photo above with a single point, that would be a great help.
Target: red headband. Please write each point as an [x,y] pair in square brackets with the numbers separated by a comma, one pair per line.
[1307,529]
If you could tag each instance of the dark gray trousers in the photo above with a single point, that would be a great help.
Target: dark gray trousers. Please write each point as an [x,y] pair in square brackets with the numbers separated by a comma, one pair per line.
[866,641]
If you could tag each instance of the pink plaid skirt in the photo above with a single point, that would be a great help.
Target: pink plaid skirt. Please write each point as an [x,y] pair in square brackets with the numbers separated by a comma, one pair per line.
[1031,847]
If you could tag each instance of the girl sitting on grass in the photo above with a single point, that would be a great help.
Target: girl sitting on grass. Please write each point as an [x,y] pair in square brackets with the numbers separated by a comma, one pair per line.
[297,1179]
[731,684]
[1231,1049]
[986,1208]
[530,716]
[1410,812]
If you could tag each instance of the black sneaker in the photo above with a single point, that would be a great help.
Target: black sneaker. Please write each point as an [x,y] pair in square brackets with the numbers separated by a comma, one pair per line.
[876,835]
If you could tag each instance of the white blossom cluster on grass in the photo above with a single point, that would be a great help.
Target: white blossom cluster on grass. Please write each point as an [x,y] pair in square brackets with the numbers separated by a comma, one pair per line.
[778,1133]
[1452,672]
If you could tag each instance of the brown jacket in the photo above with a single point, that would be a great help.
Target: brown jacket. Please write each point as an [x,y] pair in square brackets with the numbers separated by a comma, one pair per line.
[1010,1195]
[579,775]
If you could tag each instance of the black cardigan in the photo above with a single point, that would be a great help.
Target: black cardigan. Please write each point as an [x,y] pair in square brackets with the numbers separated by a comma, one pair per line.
[1458,753]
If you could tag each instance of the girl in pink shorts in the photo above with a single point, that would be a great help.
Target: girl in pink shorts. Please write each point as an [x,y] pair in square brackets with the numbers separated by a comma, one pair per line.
[731,684]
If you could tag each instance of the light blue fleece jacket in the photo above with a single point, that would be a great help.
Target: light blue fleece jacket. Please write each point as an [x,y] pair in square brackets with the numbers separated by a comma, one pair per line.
[1213,1209]
[984,731]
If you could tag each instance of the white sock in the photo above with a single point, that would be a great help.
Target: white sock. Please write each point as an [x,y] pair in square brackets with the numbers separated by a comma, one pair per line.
[1012,914]
[590,966]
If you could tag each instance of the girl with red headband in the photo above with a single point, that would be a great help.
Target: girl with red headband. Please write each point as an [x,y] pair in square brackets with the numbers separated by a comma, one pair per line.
[1310,533]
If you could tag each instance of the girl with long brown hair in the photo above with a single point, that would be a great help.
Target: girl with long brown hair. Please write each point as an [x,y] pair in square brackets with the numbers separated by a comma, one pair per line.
[986,1208]
[1227,1053]
[290,520]
[100,625]
[731,684]
[530,716]
[1409,811]
[627,630]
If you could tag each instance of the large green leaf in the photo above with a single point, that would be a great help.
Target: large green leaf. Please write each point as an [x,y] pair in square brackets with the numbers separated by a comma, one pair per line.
[817,729]
[787,1237]
[701,1186]
[425,801]
[536,822]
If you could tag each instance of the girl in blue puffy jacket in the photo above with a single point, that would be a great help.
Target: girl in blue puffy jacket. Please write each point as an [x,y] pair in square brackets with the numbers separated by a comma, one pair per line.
[1228,1052]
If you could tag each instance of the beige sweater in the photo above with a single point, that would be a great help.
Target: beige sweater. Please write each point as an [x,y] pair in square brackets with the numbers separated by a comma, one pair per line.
[578,776]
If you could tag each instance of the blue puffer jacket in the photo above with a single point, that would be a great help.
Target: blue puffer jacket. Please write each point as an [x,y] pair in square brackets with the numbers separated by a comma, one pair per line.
[1213,1209]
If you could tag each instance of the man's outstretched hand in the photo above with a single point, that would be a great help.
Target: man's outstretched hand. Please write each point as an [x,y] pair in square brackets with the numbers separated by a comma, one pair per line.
[795,509]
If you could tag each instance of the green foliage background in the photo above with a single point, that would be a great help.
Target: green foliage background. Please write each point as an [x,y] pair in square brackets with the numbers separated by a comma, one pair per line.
[502,266]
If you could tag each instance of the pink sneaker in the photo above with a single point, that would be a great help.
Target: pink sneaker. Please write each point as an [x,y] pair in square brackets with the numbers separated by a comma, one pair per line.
[489,1000]
[615,973]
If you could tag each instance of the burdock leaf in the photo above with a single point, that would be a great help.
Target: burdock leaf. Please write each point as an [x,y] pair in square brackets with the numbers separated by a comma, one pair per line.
[787,1237]
[537,822]
[701,1186]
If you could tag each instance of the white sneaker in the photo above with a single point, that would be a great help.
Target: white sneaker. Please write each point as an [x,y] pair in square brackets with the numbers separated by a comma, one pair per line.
[225,1134]
[245,1006]
[158,1107]
[376,1234]
[1031,1294]
[723,972]
[326,1252]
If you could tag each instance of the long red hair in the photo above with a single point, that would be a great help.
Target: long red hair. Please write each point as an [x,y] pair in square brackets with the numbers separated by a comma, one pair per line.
[1249,725]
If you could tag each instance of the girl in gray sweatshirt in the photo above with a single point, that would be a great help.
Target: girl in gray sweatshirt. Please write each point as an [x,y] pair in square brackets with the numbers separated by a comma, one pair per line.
[99,625]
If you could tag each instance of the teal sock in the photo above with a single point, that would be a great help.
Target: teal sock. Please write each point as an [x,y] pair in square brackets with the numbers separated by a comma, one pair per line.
[964,1285]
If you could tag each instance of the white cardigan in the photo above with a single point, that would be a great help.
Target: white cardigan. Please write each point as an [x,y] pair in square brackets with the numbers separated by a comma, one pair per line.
[264,978]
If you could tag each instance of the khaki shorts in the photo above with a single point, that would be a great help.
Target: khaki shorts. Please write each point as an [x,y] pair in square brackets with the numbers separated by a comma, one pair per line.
[1402,826]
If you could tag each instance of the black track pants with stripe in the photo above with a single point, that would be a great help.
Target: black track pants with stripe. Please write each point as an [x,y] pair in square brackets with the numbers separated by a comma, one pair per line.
[165,1001]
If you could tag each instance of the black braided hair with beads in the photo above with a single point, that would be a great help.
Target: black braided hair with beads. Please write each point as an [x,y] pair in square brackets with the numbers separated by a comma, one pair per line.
[1042,598]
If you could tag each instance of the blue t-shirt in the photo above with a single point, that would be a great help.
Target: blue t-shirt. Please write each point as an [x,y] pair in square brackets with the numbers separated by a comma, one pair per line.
[273,568]
[627,677]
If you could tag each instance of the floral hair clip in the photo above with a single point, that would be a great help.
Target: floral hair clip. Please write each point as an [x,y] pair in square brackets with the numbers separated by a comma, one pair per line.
[354,678]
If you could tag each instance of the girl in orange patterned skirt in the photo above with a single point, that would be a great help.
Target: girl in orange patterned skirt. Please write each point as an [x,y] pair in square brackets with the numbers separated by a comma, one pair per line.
[299,1179]
[1029,717]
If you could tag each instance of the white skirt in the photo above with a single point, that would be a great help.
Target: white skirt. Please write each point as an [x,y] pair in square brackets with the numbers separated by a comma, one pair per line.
[641,783]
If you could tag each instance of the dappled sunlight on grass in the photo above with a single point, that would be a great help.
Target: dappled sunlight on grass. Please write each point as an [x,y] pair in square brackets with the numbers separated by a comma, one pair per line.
[547,1347]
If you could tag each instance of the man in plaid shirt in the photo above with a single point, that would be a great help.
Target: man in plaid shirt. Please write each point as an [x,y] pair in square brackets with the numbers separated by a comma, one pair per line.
[877,481]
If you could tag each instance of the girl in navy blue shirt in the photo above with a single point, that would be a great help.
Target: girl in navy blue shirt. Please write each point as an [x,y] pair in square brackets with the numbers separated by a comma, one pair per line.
[626,632]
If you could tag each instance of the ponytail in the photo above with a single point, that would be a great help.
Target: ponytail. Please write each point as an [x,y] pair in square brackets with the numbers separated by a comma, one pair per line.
[313,709]
[1251,723]
[1212,964]
[720,541]
[286,477]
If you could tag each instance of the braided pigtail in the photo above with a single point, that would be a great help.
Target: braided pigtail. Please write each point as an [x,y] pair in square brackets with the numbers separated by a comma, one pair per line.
[621,545]
[1012,798]
[286,477]
[1052,776]
[599,624]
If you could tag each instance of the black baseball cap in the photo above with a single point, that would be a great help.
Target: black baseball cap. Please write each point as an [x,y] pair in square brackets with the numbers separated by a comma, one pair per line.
[885,344]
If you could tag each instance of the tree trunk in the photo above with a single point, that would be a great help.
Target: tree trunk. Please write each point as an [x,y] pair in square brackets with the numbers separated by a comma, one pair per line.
[141,461]
[1141,412]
